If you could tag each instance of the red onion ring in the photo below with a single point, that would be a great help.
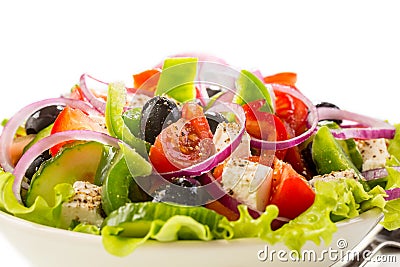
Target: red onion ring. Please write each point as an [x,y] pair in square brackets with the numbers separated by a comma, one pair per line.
[377,173]
[44,144]
[312,121]
[375,128]
[7,136]
[392,194]
[211,162]
[100,105]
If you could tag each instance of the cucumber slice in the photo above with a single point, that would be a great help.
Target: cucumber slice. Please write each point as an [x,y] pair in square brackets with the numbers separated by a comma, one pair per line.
[76,163]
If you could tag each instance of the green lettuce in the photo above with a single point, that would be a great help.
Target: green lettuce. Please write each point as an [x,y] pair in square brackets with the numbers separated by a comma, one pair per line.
[87,229]
[391,220]
[394,144]
[135,223]
[393,177]
[40,212]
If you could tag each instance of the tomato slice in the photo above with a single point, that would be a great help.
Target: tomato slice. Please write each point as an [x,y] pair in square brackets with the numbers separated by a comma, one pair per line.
[73,119]
[264,125]
[184,143]
[158,158]
[285,78]
[291,110]
[146,80]
[290,191]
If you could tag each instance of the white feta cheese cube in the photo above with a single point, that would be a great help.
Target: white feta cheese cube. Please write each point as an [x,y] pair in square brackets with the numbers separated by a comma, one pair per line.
[225,133]
[239,177]
[84,206]
[374,153]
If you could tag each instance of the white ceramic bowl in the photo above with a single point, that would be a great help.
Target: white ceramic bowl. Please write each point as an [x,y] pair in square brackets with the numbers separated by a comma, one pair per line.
[46,246]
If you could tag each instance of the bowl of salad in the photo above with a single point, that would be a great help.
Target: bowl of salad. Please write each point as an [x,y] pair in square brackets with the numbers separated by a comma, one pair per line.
[193,161]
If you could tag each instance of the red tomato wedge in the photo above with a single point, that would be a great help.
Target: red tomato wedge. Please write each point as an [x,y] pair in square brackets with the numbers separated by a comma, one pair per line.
[184,143]
[285,78]
[147,79]
[264,125]
[290,191]
[291,110]
[73,119]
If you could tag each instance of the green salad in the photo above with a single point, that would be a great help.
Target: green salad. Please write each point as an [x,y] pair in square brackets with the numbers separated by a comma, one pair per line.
[195,149]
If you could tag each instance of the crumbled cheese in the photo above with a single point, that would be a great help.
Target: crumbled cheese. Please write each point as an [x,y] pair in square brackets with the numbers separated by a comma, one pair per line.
[237,178]
[225,133]
[347,174]
[84,206]
[374,153]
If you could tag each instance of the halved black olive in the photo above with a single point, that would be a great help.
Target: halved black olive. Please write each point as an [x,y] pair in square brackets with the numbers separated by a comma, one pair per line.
[329,105]
[35,165]
[214,118]
[42,118]
[211,91]
[182,191]
[158,113]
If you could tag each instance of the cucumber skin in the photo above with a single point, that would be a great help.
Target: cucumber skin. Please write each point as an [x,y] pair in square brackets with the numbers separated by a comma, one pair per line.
[77,163]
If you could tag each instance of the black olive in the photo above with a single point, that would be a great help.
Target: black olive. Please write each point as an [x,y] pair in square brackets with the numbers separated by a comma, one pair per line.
[185,182]
[34,167]
[183,191]
[214,118]
[326,105]
[329,105]
[158,113]
[42,118]
[211,91]
[306,154]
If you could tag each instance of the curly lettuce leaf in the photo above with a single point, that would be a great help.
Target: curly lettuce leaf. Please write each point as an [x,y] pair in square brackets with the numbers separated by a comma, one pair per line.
[312,225]
[135,223]
[87,229]
[335,200]
[394,144]
[40,212]
[391,213]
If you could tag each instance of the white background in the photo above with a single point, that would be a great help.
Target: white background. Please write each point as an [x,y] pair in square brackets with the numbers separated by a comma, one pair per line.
[345,52]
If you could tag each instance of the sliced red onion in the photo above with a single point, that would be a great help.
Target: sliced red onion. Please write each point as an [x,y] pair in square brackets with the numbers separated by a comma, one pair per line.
[99,104]
[46,143]
[258,74]
[312,121]
[7,136]
[373,128]
[211,162]
[377,173]
[392,194]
